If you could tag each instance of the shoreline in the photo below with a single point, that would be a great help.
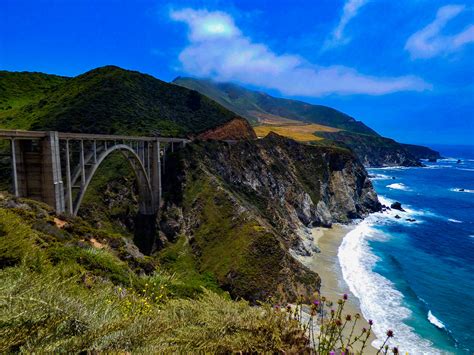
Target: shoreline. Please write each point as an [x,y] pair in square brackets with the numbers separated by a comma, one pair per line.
[326,264]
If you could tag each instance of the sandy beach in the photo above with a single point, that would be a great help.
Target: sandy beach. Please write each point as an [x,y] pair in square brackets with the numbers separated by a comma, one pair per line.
[326,264]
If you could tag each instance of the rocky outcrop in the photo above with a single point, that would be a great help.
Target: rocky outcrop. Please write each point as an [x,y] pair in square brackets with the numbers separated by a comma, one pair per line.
[246,207]
[236,129]
[397,206]
[421,152]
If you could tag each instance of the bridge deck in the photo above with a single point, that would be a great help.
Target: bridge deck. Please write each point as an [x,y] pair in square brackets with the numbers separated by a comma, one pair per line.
[20,134]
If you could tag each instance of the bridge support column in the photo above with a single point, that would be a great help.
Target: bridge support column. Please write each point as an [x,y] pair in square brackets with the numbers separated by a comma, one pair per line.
[37,170]
[156,174]
[52,184]
[14,149]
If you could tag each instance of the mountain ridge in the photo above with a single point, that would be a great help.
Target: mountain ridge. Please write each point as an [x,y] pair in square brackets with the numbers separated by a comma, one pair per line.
[265,111]
[244,101]
[113,100]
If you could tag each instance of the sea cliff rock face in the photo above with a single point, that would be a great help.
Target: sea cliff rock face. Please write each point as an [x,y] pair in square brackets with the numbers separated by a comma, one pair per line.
[245,208]
[305,185]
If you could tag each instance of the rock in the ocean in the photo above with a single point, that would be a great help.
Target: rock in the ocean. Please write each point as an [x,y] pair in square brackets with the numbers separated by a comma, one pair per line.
[397,216]
[459,161]
[461,190]
[411,220]
[397,206]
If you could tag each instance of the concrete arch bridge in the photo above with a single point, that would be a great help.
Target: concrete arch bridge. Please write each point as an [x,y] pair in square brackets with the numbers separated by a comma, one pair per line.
[57,168]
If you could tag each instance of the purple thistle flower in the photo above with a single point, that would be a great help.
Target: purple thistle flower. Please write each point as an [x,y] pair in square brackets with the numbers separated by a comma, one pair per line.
[390,333]
[332,353]
[316,302]
[345,296]
[371,322]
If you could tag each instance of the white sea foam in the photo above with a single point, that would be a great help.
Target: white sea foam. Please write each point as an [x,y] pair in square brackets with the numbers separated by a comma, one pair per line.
[452,220]
[379,299]
[435,321]
[393,168]
[398,186]
[437,166]
[458,189]
[451,160]
[380,177]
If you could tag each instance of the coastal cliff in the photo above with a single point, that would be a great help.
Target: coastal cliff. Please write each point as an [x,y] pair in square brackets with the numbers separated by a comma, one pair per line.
[374,151]
[244,209]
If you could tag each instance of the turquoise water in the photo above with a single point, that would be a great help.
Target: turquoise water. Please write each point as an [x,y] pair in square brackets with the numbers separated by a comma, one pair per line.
[418,277]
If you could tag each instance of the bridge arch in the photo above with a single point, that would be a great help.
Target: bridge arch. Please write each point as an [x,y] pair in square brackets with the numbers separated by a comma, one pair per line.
[146,196]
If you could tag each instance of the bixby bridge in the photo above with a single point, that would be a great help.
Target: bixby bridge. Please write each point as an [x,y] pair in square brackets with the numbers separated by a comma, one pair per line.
[57,168]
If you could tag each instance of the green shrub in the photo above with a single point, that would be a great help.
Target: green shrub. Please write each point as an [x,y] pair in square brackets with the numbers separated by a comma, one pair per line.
[98,262]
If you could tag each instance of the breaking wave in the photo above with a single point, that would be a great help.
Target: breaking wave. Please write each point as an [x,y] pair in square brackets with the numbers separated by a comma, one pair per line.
[435,321]
[398,186]
[379,299]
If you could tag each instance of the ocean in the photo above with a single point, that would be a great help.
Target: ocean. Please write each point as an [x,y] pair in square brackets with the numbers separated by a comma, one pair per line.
[417,277]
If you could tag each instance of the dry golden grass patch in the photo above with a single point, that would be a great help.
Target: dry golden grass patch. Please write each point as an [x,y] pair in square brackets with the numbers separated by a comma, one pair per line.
[269,119]
[301,132]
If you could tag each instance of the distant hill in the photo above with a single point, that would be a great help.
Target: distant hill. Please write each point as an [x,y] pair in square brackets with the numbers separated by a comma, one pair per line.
[299,120]
[106,100]
[258,107]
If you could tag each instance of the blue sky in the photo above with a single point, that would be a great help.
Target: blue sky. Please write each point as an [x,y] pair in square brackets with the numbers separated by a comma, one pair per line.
[403,67]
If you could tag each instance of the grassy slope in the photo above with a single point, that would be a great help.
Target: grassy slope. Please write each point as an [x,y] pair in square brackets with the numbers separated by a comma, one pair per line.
[112,100]
[252,104]
[78,289]
[233,245]
[300,132]
[19,89]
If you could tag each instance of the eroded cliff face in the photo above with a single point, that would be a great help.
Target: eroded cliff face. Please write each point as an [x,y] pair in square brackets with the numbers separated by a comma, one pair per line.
[245,208]
[236,129]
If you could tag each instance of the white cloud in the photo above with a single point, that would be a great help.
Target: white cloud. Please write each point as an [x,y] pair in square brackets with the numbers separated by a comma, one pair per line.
[429,42]
[350,10]
[218,49]
[205,25]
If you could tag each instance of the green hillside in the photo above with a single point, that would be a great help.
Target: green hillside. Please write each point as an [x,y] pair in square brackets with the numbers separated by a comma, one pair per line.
[19,89]
[256,106]
[106,100]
